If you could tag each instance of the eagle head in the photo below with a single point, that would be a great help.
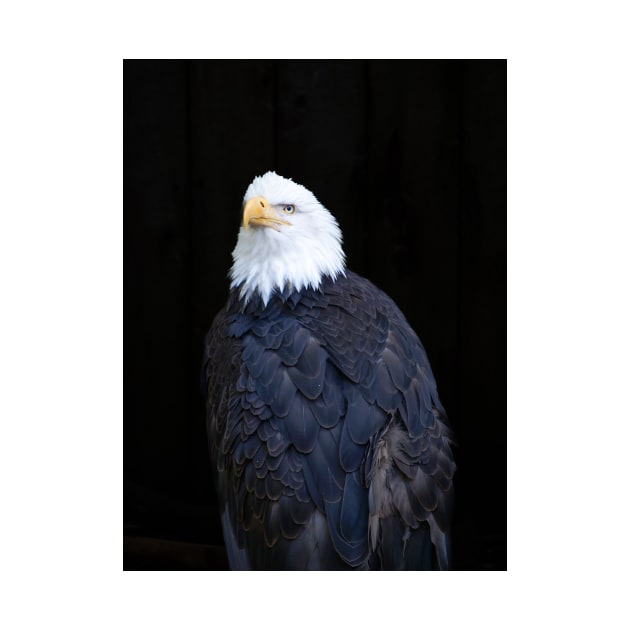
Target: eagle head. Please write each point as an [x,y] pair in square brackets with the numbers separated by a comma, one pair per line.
[287,240]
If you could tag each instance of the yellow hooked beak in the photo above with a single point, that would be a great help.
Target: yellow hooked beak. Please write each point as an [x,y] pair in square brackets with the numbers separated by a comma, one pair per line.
[257,211]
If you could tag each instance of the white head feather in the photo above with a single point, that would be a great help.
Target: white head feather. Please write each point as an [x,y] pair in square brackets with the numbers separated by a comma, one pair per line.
[295,255]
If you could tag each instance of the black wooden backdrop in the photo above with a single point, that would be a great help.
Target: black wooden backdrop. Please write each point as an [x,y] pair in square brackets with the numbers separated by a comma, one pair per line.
[410,156]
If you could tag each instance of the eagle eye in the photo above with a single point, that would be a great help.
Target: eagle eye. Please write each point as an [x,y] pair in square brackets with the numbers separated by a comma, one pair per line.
[288,209]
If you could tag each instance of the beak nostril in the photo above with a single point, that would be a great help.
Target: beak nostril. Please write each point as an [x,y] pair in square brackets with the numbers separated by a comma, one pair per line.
[262,204]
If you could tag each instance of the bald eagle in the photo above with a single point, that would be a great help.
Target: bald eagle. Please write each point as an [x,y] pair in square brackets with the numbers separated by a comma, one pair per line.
[330,446]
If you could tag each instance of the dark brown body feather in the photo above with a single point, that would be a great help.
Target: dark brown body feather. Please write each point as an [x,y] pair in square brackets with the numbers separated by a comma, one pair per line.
[330,443]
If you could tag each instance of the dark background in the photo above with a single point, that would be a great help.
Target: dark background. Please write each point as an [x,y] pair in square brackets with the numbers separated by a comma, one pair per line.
[410,156]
